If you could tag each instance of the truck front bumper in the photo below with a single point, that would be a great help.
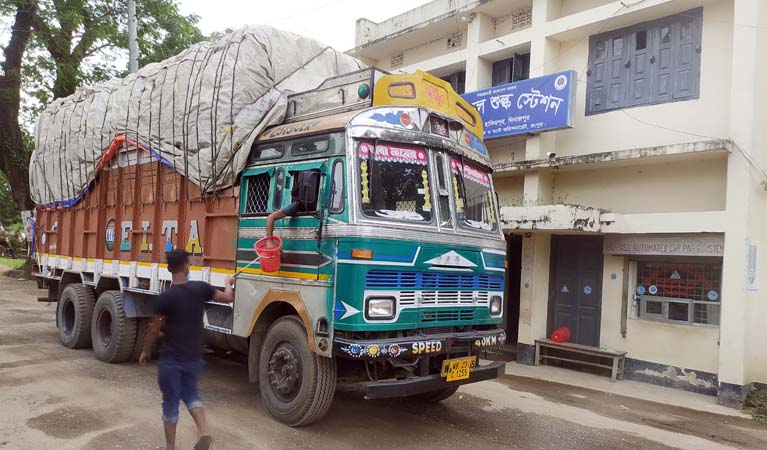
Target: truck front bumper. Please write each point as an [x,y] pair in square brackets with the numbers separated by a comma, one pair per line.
[467,342]
[428,383]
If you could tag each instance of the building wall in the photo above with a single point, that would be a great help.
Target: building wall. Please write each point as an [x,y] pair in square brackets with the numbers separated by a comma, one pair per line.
[682,186]
[694,348]
[755,304]
[432,49]
[569,7]
[511,190]
[617,130]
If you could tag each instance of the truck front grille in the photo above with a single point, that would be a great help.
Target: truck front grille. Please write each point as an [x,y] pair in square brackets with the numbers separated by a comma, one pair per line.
[390,279]
[443,316]
[443,298]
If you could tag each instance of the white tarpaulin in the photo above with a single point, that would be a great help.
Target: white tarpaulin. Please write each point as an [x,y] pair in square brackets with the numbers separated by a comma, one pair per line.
[194,111]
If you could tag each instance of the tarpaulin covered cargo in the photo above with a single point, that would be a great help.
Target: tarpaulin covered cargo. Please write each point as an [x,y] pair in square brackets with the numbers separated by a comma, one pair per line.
[194,112]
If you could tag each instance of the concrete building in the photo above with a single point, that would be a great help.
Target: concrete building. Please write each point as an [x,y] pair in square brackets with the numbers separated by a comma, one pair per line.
[642,226]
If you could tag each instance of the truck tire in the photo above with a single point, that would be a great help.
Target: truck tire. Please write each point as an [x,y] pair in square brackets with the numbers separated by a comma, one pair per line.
[141,327]
[75,310]
[114,334]
[437,396]
[297,385]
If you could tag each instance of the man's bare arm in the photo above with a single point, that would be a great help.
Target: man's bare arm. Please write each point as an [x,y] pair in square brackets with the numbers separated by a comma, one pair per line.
[270,219]
[227,295]
[150,339]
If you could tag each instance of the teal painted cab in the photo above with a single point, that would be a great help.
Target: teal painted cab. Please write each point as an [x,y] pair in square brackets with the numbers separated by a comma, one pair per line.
[431,285]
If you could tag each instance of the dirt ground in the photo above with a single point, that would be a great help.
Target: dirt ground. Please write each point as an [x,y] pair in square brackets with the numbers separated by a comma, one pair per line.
[55,398]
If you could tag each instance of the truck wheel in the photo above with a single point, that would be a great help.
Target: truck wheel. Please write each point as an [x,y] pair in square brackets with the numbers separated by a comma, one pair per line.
[138,346]
[114,334]
[437,396]
[74,315]
[297,386]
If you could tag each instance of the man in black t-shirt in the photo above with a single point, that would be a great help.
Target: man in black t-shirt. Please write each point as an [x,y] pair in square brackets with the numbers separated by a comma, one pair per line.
[180,312]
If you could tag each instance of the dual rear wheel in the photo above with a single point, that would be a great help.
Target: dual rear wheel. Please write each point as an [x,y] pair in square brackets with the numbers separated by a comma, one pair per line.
[101,324]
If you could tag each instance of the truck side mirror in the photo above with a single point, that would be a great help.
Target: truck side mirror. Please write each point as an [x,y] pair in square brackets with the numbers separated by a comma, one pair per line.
[308,186]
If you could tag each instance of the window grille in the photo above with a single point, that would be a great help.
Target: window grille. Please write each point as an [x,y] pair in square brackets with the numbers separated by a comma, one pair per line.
[688,293]
[257,198]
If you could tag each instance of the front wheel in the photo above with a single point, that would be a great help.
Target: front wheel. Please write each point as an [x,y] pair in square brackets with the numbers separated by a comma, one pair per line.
[297,385]
[437,396]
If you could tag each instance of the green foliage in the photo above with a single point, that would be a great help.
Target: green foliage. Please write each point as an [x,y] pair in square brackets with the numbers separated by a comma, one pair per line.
[84,42]
[8,212]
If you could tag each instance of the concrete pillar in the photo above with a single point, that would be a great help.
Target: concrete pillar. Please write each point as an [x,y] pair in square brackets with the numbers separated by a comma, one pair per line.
[538,188]
[533,294]
[543,56]
[740,202]
[478,70]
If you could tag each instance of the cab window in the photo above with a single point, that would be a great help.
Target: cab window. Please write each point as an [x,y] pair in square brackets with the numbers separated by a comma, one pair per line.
[310,146]
[257,195]
[265,152]
[279,182]
[295,179]
[337,190]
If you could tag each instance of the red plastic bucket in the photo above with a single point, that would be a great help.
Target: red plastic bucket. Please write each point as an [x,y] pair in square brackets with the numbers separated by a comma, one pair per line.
[561,334]
[268,250]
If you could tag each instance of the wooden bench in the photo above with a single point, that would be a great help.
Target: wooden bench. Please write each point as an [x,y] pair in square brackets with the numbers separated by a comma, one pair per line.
[618,358]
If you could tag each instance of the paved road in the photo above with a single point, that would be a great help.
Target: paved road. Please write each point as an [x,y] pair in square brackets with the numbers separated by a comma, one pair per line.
[55,398]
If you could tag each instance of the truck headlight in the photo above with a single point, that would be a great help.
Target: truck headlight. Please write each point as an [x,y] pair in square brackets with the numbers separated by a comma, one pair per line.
[496,305]
[380,308]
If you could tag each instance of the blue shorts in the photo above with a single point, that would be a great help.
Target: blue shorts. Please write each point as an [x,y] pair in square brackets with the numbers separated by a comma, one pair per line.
[178,381]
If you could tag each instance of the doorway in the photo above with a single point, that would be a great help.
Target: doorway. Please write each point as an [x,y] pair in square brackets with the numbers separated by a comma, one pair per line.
[513,281]
[575,288]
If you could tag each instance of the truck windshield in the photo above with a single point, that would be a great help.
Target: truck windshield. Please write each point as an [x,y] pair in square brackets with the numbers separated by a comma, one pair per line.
[475,204]
[394,182]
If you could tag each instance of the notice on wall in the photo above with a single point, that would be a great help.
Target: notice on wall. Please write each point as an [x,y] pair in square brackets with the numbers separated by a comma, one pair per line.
[751,280]
[665,245]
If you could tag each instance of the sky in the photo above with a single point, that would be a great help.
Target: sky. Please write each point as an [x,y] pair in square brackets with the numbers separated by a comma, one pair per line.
[329,21]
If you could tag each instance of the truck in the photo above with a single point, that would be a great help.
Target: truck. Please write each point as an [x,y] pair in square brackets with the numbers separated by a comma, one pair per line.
[392,275]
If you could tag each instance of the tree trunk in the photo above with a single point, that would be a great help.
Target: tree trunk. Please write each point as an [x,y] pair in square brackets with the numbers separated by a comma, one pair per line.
[14,159]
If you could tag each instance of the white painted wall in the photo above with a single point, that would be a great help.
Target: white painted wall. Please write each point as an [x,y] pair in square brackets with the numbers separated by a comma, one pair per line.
[694,185]
[511,190]
[575,6]
[706,116]
[434,49]
[685,346]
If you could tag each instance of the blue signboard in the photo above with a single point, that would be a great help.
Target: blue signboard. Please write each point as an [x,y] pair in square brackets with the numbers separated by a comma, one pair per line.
[528,106]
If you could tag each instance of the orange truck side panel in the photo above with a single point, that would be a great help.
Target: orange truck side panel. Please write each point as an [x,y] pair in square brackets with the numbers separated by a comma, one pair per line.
[133,213]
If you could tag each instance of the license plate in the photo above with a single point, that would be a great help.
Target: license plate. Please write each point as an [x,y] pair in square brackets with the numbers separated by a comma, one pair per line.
[458,368]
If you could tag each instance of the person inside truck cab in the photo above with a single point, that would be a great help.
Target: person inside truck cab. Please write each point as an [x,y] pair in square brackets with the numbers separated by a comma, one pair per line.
[295,207]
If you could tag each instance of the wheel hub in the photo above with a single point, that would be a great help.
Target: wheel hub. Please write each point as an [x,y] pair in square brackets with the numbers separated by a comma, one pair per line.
[104,324]
[285,371]
[68,317]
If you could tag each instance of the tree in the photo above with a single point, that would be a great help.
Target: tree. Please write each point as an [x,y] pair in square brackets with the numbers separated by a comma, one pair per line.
[74,42]
[14,157]
[8,212]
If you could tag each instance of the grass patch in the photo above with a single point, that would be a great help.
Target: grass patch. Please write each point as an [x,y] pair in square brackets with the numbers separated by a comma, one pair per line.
[11,263]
